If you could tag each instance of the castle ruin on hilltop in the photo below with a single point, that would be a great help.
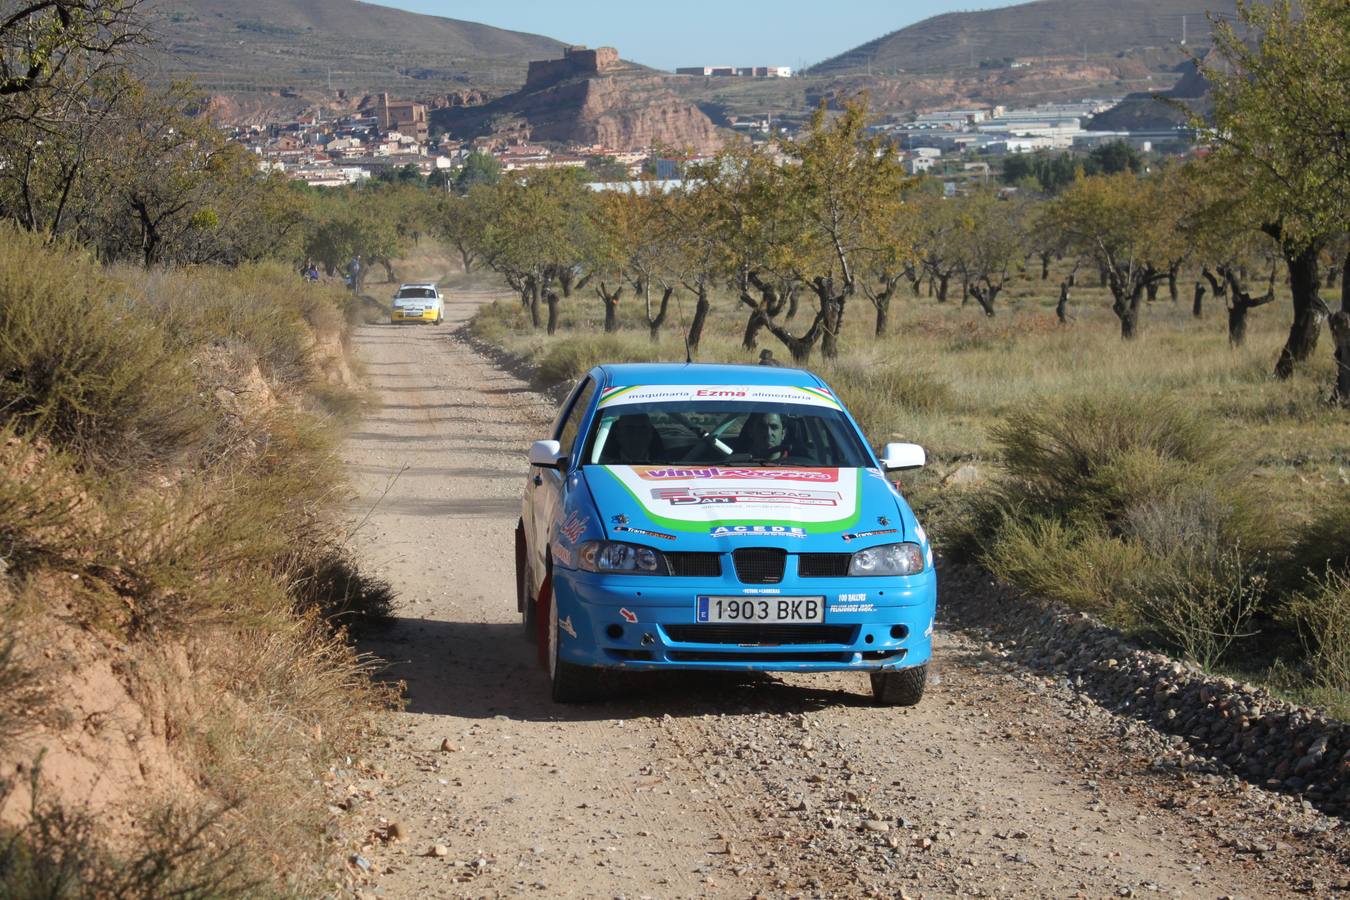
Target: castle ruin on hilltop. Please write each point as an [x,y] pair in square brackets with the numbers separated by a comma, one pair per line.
[576,61]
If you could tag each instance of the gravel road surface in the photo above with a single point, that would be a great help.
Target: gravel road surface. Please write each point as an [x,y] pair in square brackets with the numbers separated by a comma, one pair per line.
[999,784]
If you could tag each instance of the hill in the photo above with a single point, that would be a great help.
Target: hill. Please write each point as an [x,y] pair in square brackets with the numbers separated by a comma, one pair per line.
[293,47]
[588,97]
[1043,28]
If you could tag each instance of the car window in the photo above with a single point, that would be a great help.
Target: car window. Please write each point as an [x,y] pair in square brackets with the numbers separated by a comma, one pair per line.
[715,432]
[571,426]
[416,294]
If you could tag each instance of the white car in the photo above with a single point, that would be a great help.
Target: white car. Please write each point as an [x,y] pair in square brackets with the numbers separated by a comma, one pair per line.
[417,302]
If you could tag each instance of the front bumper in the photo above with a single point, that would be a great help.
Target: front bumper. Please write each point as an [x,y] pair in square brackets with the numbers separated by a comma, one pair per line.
[635,622]
[426,315]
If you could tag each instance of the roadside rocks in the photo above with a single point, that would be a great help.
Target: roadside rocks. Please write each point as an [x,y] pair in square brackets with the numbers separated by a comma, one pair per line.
[1243,728]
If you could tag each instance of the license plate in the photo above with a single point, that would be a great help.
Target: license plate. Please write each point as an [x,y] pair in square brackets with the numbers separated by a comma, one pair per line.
[760,609]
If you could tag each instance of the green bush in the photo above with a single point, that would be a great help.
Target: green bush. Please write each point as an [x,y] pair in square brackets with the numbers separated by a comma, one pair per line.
[1071,564]
[1095,459]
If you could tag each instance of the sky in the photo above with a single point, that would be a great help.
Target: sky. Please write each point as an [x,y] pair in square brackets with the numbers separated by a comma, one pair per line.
[672,33]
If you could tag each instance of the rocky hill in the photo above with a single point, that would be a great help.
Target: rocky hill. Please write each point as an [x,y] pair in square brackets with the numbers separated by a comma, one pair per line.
[255,49]
[588,97]
[1146,111]
[1043,28]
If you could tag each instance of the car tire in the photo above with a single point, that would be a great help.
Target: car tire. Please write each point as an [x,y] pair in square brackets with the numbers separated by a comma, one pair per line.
[569,682]
[524,602]
[902,687]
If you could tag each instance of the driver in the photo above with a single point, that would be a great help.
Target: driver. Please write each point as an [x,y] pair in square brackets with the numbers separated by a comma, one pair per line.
[766,433]
[631,440]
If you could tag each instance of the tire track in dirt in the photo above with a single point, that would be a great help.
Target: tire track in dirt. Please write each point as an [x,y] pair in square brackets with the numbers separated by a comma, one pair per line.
[998,784]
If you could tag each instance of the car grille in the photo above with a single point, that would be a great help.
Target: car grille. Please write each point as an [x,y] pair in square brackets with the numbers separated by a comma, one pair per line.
[758,656]
[763,634]
[759,565]
[823,565]
[695,565]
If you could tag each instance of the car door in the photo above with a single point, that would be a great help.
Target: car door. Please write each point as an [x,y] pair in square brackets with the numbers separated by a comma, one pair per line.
[546,486]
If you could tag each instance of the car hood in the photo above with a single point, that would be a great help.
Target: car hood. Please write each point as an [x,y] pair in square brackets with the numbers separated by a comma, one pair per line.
[714,508]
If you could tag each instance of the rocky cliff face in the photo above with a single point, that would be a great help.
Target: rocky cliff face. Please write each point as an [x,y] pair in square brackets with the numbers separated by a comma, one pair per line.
[619,106]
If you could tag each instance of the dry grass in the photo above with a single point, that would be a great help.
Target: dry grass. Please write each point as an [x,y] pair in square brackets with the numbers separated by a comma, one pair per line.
[167,445]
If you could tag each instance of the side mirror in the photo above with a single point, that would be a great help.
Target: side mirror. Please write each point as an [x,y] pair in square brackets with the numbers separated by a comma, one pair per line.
[546,454]
[903,456]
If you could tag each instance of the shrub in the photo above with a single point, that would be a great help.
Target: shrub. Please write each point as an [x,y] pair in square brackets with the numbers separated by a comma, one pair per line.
[1094,459]
[566,361]
[1201,600]
[1322,614]
[82,365]
[60,853]
[1322,543]
[1071,564]
[881,395]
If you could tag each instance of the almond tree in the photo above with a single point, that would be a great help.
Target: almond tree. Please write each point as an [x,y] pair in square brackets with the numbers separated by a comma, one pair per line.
[990,244]
[1125,225]
[1281,120]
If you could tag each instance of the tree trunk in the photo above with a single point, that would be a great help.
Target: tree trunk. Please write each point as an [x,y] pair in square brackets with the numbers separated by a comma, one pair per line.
[1309,310]
[1172,284]
[1045,265]
[1062,307]
[551,298]
[1152,290]
[985,297]
[654,324]
[883,304]
[942,288]
[1102,276]
[611,301]
[1340,333]
[1126,305]
[701,308]
[1237,324]
[532,294]
[832,305]
[1198,301]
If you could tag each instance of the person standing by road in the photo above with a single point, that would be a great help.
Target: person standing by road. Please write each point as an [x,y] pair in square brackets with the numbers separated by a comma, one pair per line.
[354,272]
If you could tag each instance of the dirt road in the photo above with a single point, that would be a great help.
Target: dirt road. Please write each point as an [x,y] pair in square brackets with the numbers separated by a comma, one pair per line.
[998,784]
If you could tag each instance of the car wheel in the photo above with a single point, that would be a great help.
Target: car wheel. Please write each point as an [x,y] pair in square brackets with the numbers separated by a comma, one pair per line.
[902,687]
[568,682]
[524,602]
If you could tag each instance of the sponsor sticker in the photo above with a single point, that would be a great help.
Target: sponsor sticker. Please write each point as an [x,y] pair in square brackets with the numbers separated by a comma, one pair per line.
[566,625]
[852,608]
[658,473]
[761,590]
[628,529]
[863,534]
[676,393]
[696,496]
[573,527]
[628,615]
[784,531]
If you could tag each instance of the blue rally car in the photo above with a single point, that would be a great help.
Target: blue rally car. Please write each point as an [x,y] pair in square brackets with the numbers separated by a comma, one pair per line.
[720,517]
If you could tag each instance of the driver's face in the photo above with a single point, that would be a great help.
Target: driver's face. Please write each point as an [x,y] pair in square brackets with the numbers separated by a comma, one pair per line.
[766,433]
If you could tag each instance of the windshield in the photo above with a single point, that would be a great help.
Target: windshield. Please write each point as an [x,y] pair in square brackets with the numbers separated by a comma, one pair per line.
[744,432]
[416,294]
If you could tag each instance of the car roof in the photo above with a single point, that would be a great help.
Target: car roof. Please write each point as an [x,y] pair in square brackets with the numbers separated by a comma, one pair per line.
[626,374]
[424,284]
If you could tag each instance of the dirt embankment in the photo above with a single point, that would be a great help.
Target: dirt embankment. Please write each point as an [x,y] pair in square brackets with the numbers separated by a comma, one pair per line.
[1004,781]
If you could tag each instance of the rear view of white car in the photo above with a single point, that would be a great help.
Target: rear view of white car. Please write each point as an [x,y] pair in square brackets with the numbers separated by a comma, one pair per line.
[417,302]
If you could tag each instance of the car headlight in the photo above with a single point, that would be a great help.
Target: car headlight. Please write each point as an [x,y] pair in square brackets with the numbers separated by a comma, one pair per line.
[613,556]
[888,559]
